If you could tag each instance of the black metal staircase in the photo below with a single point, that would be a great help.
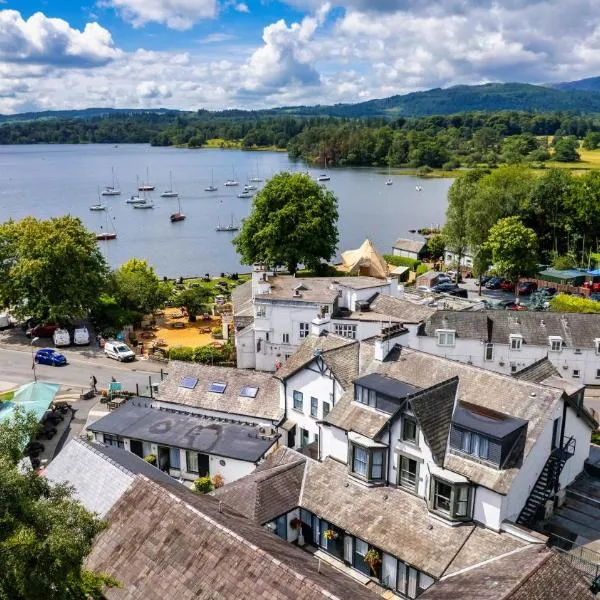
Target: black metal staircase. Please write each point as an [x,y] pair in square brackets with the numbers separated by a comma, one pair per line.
[547,484]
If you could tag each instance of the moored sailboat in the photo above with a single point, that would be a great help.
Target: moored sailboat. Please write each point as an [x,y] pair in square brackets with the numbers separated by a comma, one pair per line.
[112,190]
[170,193]
[211,187]
[177,216]
[106,234]
[146,187]
[231,227]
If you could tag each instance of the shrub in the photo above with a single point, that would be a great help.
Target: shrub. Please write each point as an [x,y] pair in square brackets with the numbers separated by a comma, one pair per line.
[203,485]
[216,332]
[575,304]
[151,458]
[422,269]
[402,261]
[218,481]
[184,353]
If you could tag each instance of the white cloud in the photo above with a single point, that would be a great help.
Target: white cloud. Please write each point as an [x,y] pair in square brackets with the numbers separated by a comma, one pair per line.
[45,41]
[150,90]
[215,38]
[175,14]
[242,7]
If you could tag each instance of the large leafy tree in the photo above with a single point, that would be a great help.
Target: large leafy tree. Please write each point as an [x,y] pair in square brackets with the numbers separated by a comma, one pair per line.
[293,221]
[45,534]
[195,300]
[514,248]
[50,270]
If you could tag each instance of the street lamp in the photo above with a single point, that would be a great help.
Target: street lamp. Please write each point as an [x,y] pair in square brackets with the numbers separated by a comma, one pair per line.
[33,341]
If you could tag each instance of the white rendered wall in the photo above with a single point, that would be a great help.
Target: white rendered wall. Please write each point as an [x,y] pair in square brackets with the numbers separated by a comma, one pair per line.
[334,443]
[487,507]
[245,348]
[582,433]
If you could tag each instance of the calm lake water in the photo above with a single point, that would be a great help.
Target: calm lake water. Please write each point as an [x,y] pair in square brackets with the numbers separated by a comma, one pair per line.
[53,180]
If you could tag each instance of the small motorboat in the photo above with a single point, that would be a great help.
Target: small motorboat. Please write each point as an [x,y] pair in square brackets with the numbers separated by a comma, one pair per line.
[323,177]
[249,188]
[106,235]
[231,183]
[97,207]
[389,182]
[244,194]
[135,199]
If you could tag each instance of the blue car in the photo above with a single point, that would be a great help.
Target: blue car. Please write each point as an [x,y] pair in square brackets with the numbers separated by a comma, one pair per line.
[49,356]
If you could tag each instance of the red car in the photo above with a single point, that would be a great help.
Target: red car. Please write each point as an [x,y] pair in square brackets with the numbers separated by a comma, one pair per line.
[527,287]
[593,287]
[507,286]
[42,331]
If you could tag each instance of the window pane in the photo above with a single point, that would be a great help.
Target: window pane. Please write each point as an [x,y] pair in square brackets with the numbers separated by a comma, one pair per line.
[412,582]
[297,400]
[326,409]
[377,465]
[372,398]
[442,496]
[314,407]
[305,517]
[360,461]
[401,585]
[475,444]
[361,548]
[175,458]
[483,448]
[192,461]
[409,429]
[466,441]
[462,500]
[408,473]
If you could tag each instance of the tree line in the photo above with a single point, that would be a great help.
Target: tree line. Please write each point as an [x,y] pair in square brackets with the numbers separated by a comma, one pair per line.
[467,139]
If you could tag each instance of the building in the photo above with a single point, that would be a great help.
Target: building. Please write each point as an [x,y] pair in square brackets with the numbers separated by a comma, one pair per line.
[466,260]
[415,249]
[365,260]
[273,313]
[185,446]
[164,541]
[507,342]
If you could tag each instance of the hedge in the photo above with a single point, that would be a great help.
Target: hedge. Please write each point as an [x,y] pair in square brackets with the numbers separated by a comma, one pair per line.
[212,355]
[422,269]
[402,261]
[574,304]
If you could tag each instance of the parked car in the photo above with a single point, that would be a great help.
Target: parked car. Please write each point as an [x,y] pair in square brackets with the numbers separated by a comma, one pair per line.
[494,283]
[548,291]
[61,337]
[510,305]
[507,286]
[482,279]
[595,297]
[42,331]
[119,351]
[81,336]
[445,287]
[459,292]
[443,279]
[7,320]
[49,356]
[594,287]
[527,287]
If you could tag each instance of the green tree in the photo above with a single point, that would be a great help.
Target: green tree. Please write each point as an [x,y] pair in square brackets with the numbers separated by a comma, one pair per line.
[565,150]
[195,300]
[137,287]
[45,534]
[49,270]
[514,249]
[592,140]
[436,245]
[293,220]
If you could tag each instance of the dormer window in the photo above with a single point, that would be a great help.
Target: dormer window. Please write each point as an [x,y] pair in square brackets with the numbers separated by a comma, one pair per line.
[475,444]
[516,341]
[555,343]
[367,463]
[445,337]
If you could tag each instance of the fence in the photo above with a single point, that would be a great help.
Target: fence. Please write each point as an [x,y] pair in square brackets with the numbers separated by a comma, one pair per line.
[147,390]
[583,559]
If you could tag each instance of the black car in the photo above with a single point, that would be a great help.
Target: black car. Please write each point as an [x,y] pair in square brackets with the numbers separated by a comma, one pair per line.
[548,291]
[494,283]
[445,287]
[482,280]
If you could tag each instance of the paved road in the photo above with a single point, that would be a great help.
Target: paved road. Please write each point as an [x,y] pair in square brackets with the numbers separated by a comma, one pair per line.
[15,368]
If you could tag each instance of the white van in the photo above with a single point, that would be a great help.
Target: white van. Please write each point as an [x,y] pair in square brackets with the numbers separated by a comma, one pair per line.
[118,351]
[61,337]
[81,336]
[6,320]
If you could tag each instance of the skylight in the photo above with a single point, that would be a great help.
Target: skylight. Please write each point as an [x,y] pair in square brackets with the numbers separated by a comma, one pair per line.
[217,387]
[188,382]
[249,391]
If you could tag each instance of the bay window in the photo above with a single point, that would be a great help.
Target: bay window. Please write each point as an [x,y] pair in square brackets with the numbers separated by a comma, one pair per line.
[367,463]
[452,500]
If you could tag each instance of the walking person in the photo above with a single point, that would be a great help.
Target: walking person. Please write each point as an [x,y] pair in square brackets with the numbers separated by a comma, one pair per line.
[93,383]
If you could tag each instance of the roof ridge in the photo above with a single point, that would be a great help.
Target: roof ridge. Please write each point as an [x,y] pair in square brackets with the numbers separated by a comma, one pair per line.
[277,562]
[105,457]
[276,470]
[528,576]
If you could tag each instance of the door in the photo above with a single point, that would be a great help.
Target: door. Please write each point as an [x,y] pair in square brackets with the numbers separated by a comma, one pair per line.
[292,437]
[203,465]
[556,433]
[137,448]
[164,463]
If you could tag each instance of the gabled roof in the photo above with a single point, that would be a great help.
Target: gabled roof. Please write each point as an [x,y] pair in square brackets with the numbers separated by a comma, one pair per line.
[339,354]
[269,492]
[401,308]
[538,371]
[397,522]
[534,573]
[409,245]
[167,542]
[353,416]
[265,405]
[99,474]
[433,408]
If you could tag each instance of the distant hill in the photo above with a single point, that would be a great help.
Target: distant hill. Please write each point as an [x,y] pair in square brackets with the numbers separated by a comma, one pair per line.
[591,84]
[86,113]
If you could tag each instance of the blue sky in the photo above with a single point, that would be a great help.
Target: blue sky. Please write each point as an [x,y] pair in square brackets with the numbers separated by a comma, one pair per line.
[259,53]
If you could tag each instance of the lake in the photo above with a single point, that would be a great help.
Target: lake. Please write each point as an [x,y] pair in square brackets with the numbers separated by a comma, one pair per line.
[53,180]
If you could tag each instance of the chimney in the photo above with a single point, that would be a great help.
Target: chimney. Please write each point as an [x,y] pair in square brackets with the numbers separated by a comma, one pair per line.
[320,325]
[260,275]
[389,337]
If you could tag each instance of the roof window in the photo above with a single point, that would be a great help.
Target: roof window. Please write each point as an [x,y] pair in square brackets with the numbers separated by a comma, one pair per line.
[249,391]
[188,382]
[217,388]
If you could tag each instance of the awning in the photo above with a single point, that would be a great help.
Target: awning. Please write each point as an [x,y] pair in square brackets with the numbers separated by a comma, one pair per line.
[287,425]
[31,397]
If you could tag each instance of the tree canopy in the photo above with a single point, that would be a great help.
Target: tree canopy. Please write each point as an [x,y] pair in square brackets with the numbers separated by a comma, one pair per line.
[50,270]
[194,299]
[45,534]
[293,221]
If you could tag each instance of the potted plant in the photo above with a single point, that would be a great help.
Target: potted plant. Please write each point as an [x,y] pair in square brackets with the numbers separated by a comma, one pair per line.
[151,458]
[372,558]
[296,524]
[330,534]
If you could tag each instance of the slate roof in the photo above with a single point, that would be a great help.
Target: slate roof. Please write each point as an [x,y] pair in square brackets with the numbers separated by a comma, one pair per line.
[269,492]
[353,416]
[534,573]
[264,406]
[243,310]
[405,310]
[167,542]
[538,371]
[339,353]
[137,421]
[577,330]
[315,289]
[409,245]
[396,521]
[433,408]
[99,474]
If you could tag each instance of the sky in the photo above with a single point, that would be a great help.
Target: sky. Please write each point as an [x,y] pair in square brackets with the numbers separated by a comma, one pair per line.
[252,54]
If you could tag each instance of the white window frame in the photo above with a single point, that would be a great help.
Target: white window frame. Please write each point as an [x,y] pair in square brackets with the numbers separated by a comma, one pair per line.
[285,338]
[345,330]
[490,347]
[261,311]
[597,345]
[304,329]
[555,342]
[515,341]
[446,337]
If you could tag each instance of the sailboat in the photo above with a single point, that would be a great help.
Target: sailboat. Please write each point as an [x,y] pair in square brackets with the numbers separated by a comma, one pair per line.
[170,193]
[112,190]
[324,176]
[107,234]
[418,188]
[245,194]
[256,179]
[249,187]
[144,203]
[98,206]
[211,187]
[177,216]
[146,187]
[389,179]
[231,182]
[231,227]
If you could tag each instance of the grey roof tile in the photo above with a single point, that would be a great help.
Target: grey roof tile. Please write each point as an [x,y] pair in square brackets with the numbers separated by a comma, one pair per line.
[264,406]
[401,308]
[409,245]
[538,371]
